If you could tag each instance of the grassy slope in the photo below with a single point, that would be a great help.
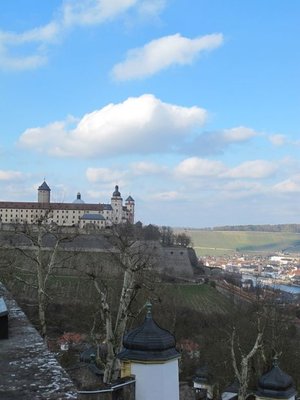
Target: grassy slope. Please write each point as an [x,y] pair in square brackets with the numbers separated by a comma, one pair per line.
[226,242]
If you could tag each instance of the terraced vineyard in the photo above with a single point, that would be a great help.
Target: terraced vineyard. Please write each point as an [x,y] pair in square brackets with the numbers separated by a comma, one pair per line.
[200,297]
[66,290]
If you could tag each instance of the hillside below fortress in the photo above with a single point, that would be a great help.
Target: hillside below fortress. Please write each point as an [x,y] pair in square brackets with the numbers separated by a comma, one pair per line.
[93,250]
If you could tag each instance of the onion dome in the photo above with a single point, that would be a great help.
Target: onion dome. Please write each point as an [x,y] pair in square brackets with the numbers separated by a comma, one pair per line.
[276,384]
[78,199]
[44,186]
[149,342]
[116,193]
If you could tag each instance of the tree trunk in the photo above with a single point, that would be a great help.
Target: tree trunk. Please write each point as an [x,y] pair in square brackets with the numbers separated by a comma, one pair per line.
[242,372]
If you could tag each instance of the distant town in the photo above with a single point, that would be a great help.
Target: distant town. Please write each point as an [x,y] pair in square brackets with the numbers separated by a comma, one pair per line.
[278,271]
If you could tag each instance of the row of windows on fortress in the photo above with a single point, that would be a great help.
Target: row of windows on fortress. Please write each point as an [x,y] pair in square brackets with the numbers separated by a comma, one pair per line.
[71,217]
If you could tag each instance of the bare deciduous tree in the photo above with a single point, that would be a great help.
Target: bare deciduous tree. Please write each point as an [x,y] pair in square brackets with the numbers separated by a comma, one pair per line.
[242,367]
[43,244]
[135,259]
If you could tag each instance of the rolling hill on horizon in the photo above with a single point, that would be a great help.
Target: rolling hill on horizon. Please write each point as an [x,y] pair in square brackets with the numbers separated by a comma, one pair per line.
[214,242]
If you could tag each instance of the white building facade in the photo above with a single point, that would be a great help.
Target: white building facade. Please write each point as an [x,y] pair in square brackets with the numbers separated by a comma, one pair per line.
[78,213]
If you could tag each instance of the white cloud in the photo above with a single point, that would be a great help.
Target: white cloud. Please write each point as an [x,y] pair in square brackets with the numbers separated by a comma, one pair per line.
[152,8]
[199,167]
[72,13]
[41,35]
[46,33]
[255,169]
[239,189]
[104,175]
[162,53]
[217,142]
[10,175]
[281,140]
[8,62]
[91,12]
[290,185]
[142,124]
[237,134]
[38,57]
[167,196]
[147,168]
[46,139]
[278,140]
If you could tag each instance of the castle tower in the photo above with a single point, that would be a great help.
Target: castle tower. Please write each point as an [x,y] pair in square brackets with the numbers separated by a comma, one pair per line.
[44,193]
[150,354]
[117,206]
[276,384]
[129,204]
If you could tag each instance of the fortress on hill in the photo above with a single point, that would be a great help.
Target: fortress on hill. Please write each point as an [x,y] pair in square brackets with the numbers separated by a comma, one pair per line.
[78,213]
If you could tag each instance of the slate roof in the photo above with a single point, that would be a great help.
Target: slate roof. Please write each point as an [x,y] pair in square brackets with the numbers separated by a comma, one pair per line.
[129,198]
[44,186]
[93,217]
[149,342]
[276,384]
[106,206]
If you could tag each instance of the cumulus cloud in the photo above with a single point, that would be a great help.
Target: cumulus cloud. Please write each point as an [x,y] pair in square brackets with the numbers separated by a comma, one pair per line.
[47,138]
[199,167]
[161,53]
[10,175]
[255,169]
[142,124]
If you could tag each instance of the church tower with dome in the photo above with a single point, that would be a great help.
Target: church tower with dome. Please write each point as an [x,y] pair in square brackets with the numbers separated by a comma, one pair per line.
[117,206]
[150,355]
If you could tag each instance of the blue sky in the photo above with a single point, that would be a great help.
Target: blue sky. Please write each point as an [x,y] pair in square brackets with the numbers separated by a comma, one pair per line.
[192,107]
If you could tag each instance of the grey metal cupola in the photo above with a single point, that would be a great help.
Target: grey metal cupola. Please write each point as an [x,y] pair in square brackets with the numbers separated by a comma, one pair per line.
[276,384]
[149,342]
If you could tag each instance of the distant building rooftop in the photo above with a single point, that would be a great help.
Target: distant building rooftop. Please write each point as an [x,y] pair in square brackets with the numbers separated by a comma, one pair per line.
[93,217]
